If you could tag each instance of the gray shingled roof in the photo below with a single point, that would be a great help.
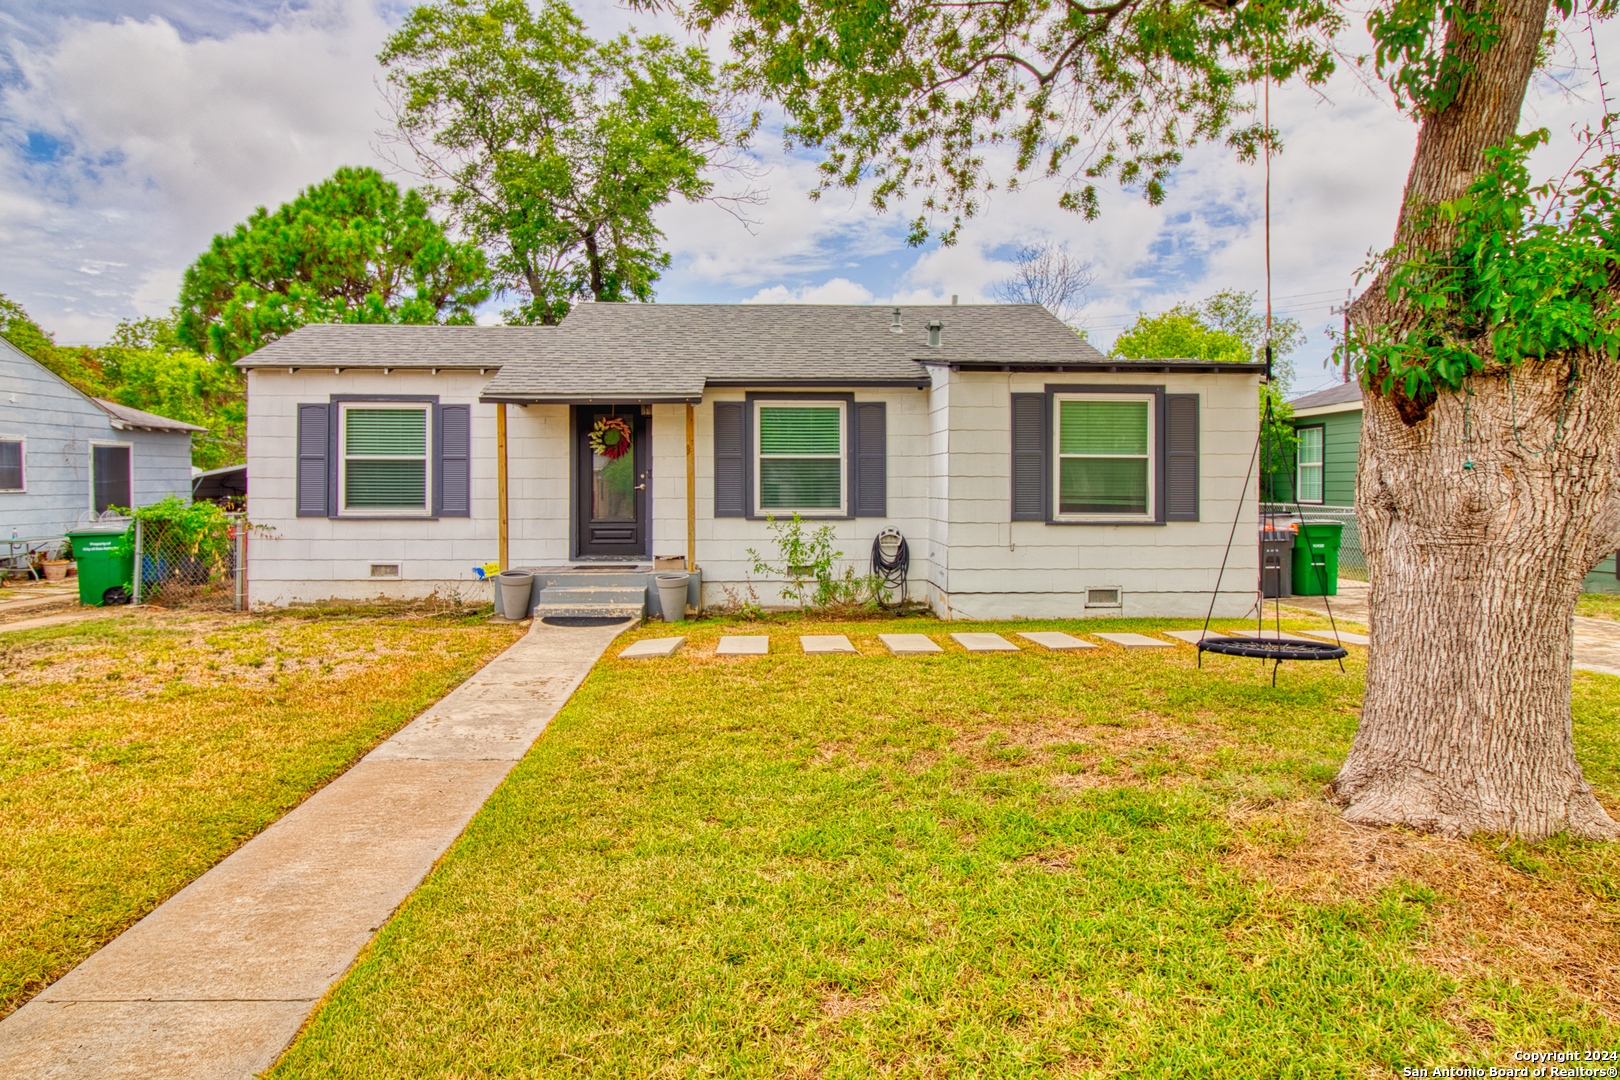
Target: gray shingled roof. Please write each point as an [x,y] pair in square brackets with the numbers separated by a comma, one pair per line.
[1343,394]
[670,352]
[673,351]
[126,417]
[379,346]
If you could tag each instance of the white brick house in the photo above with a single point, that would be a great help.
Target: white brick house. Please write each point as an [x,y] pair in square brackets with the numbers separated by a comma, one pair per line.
[1031,475]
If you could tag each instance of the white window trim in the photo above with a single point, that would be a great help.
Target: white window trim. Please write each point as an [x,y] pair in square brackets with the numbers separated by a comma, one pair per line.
[1319,466]
[426,408]
[91,472]
[22,458]
[843,458]
[1151,456]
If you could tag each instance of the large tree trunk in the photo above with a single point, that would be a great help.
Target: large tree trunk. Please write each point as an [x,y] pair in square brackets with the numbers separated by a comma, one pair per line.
[1474,572]
[1480,514]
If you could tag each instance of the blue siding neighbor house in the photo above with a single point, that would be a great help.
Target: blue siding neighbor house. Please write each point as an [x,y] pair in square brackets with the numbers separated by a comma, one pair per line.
[65,456]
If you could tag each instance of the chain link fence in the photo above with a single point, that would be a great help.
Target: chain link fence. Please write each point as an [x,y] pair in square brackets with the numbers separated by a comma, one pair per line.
[178,567]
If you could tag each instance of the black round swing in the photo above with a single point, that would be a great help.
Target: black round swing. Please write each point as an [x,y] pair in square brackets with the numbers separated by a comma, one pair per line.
[1276,649]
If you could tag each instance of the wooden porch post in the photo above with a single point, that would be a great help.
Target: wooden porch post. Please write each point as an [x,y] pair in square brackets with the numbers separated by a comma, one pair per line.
[500,481]
[691,489]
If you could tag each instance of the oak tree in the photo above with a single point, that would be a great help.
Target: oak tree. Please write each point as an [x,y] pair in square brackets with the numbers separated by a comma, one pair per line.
[555,151]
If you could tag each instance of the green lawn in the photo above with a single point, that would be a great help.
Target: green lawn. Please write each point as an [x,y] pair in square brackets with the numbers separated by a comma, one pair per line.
[137,751]
[1095,864]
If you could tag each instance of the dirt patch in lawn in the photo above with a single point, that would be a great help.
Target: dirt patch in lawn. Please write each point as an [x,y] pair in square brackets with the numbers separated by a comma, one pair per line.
[1504,909]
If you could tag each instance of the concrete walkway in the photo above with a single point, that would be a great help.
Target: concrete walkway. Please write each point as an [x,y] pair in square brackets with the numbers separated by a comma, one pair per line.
[217,981]
[1597,641]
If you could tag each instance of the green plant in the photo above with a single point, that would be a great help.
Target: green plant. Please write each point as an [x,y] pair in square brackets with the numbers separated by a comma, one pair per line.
[200,530]
[807,560]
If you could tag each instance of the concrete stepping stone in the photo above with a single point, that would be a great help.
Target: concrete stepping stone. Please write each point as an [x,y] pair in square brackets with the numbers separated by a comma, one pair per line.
[980,642]
[1193,637]
[743,645]
[1344,635]
[825,643]
[648,648]
[1050,639]
[1136,641]
[909,644]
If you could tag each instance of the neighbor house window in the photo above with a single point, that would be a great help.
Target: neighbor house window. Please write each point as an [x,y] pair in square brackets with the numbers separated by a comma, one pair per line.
[801,454]
[1308,476]
[110,481]
[11,465]
[384,451]
[1104,466]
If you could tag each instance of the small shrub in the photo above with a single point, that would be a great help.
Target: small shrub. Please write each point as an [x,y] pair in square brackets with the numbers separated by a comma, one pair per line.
[808,561]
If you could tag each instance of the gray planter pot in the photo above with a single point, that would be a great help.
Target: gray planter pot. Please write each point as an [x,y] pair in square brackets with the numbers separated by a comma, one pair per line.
[515,587]
[672,595]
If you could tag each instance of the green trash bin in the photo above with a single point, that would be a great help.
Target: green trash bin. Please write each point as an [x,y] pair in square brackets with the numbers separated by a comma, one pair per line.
[105,572]
[1316,558]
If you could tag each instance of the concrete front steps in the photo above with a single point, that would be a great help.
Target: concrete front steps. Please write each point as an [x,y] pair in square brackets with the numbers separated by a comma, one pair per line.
[619,591]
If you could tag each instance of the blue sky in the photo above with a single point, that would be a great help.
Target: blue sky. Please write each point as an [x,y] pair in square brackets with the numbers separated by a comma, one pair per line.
[131,131]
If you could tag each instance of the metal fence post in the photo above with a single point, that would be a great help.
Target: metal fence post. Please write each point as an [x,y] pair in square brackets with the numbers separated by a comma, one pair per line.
[139,569]
[241,564]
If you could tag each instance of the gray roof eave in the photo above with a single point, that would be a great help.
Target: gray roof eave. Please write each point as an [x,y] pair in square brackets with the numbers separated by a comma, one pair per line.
[1114,366]
[515,398]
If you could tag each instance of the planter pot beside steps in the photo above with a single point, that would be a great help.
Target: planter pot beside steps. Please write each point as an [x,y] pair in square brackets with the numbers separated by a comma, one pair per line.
[515,588]
[672,590]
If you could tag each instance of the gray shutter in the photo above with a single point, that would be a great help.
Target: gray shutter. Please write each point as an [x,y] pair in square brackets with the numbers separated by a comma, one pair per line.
[1181,457]
[453,466]
[1029,457]
[871,460]
[312,471]
[730,460]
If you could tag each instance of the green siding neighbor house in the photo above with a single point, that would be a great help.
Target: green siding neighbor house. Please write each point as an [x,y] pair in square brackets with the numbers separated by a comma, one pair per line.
[1328,424]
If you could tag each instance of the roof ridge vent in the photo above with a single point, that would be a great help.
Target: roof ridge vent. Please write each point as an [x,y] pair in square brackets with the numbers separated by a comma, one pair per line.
[935,328]
[895,327]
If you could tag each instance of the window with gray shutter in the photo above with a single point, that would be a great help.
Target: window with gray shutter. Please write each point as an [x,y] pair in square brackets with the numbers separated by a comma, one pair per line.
[312,471]
[730,459]
[871,459]
[1181,457]
[454,484]
[1029,457]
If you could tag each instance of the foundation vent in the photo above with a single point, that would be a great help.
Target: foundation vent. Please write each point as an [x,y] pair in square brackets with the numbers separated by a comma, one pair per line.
[1105,598]
[385,569]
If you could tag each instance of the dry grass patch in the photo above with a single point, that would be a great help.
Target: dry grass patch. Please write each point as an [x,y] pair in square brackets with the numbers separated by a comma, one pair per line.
[137,751]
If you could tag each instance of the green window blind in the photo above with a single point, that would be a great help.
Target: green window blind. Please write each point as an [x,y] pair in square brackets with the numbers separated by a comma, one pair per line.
[801,460]
[385,459]
[386,433]
[1103,427]
[1103,457]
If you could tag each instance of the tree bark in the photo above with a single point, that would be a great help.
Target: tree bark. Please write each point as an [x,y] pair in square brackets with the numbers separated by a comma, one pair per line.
[1480,513]
[1476,547]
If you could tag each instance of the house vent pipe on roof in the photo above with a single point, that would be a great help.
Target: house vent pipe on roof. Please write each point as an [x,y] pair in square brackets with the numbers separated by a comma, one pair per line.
[953,299]
[894,327]
[934,329]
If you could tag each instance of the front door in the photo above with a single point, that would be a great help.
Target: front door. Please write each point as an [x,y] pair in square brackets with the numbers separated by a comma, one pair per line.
[610,483]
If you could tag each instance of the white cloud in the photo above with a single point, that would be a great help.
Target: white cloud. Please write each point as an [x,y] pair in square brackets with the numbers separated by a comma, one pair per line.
[153,143]
[835,291]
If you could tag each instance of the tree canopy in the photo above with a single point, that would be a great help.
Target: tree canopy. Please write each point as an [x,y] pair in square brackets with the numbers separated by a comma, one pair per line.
[553,150]
[145,366]
[920,96]
[353,248]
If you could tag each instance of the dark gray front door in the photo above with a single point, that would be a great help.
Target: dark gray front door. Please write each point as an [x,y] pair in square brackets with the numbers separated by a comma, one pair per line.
[610,493]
